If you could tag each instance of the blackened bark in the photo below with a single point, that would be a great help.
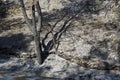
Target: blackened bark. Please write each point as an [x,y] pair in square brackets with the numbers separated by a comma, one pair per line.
[25,15]
[35,29]
[36,36]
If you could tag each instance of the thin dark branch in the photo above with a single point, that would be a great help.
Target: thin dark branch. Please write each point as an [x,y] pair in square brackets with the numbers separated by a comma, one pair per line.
[46,36]
[33,20]
[39,26]
[36,35]
[28,21]
[58,22]
[58,35]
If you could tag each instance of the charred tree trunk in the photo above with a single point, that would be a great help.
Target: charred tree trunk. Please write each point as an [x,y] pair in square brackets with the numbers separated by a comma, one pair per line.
[34,26]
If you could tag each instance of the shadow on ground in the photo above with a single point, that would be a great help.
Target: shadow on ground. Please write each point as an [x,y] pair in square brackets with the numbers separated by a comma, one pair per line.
[15,42]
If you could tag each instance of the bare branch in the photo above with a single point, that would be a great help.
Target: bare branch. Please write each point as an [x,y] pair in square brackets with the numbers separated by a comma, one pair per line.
[36,35]
[33,19]
[28,21]
[39,26]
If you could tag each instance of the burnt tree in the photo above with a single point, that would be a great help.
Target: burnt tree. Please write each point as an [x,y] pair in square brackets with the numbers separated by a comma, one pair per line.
[34,26]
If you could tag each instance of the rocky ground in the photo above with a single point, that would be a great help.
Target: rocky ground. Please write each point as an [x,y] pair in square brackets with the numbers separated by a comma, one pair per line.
[88,50]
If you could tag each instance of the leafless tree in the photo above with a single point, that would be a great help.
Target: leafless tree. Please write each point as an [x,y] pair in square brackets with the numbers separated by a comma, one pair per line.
[35,27]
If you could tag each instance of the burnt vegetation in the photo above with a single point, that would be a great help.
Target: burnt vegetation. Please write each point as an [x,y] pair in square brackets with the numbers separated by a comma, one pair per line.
[36,26]
[53,32]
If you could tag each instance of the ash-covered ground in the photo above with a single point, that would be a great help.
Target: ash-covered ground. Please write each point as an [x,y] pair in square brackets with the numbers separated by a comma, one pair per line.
[92,35]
